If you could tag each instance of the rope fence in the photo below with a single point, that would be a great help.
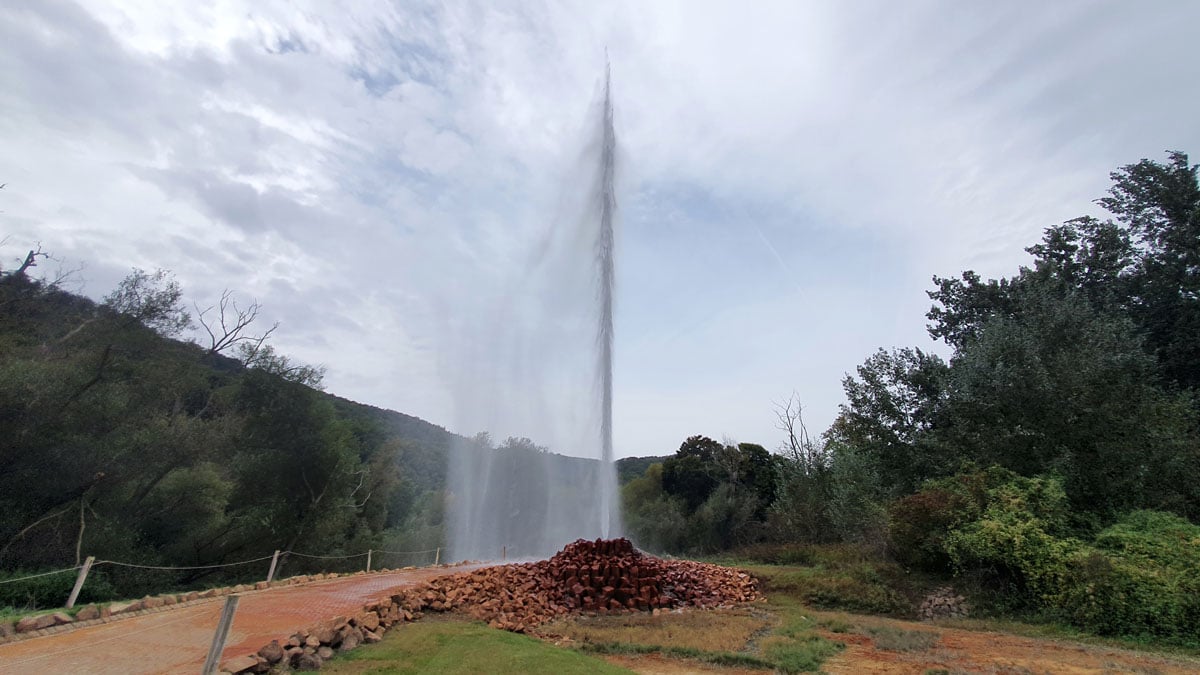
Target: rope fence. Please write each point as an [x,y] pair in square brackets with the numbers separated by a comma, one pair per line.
[43,574]
[373,560]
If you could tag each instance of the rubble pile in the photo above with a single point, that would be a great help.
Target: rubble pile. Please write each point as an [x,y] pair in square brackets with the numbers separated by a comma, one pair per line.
[600,576]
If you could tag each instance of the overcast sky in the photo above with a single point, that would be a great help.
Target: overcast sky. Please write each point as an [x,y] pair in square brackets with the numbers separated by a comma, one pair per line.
[383,178]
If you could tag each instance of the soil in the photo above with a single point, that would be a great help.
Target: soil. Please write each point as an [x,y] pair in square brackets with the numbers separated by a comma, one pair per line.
[965,651]
[957,651]
[177,639]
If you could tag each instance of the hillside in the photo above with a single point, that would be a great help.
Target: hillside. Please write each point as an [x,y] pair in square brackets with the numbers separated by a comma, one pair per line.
[125,442]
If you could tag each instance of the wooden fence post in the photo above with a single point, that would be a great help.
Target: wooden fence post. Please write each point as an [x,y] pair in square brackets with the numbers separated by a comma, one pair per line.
[83,572]
[437,557]
[368,560]
[218,643]
[274,561]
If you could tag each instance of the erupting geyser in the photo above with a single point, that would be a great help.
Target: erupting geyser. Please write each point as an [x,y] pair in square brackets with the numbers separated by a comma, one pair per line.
[555,321]
[604,255]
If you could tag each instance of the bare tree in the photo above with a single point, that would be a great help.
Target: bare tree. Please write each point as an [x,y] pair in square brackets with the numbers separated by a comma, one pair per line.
[228,328]
[797,445]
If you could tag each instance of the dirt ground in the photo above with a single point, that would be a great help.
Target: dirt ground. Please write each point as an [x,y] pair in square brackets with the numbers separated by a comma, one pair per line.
[964,651]
[955,651]
[177,640]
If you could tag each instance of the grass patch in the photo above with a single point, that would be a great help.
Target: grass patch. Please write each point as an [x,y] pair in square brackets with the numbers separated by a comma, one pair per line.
[728,659]
[720,630]
[780,636]
[802,655]
[900,640]
[460,646]
[835,625]
[857,589]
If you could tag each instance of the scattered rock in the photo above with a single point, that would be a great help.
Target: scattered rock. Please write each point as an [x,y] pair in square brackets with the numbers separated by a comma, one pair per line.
[152,603]
[239,664]
[7,629]
[88,613]
[350,640]
[308,662]
[273,652]
[118,607]
[325,652]
[943,603]
[371,637]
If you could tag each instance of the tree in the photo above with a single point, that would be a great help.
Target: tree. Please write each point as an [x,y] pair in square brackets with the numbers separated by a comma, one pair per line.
[893,404]
[151,299]
[1159,204]
[228,328]
[690,474]
[1067,389]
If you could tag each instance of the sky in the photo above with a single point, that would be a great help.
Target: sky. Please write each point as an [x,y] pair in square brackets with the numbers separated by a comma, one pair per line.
[384,178]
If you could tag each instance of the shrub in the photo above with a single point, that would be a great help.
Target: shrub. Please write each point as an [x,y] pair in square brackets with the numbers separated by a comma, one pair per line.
[1139,580]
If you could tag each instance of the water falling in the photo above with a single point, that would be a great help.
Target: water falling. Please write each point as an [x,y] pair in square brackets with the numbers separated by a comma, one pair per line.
[534,359]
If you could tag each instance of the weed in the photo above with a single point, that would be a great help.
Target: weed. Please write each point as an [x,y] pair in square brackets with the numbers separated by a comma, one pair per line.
[802,655]
[835,625]
[898,640]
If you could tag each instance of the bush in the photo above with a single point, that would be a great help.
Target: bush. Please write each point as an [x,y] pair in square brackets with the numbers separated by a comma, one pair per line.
[1139,580]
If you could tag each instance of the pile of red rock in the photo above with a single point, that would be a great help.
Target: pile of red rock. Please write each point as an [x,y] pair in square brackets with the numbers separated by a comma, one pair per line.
[598,576]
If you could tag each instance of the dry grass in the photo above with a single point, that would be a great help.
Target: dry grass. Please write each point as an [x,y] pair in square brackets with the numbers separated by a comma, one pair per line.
[900,640]
[720,630]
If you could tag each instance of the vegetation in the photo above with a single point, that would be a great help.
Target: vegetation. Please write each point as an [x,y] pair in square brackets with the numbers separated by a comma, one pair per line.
[460,646]
[1050,464]
[125,443]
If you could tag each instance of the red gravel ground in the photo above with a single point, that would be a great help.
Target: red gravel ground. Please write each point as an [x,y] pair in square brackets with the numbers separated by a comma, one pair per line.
[177,640]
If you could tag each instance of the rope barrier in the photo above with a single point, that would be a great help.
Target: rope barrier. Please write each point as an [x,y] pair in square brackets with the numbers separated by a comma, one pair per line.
[184,567]
[325,557]
[43,574]
[432,550]
[210,567]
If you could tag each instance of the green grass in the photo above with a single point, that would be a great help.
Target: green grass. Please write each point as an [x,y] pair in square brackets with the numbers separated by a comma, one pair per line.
[467,647]
[804,654]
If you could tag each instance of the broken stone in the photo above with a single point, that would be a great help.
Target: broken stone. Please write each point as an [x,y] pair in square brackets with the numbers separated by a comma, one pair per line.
[239,664]
[273,652]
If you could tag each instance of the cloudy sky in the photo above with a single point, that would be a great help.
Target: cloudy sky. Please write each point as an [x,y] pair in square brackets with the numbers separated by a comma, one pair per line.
[384,179]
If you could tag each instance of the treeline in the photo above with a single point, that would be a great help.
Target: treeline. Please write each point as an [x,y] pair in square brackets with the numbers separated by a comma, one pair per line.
[1053,460]
[121,442]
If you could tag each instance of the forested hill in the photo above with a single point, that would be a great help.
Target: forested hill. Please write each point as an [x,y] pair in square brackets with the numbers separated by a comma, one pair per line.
[121,440]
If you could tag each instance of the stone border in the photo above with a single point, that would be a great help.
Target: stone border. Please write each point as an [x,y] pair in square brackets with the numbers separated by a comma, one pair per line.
[58,621]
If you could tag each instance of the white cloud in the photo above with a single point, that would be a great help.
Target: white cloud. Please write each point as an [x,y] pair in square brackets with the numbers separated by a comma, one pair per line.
[381,176]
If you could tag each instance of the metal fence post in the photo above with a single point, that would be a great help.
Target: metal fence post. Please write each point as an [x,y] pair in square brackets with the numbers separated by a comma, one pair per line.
[218,643]
[83,572]
[437,557]
[271,572]
[368,560]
